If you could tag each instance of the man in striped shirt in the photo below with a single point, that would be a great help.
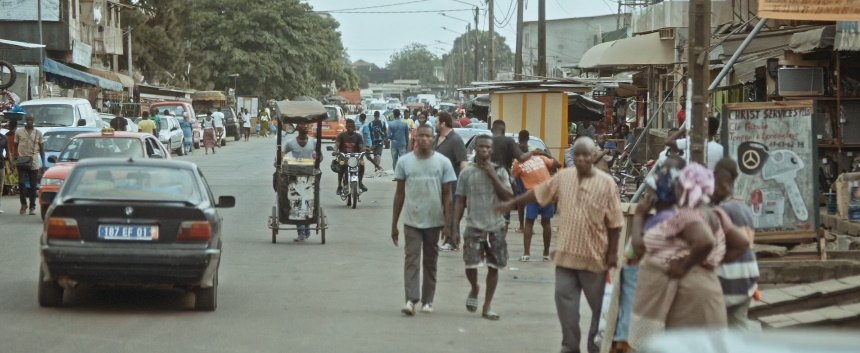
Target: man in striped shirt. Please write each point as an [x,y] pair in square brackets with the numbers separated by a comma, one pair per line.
[739,277]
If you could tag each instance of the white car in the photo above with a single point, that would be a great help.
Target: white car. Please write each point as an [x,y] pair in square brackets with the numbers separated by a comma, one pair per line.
[171,135]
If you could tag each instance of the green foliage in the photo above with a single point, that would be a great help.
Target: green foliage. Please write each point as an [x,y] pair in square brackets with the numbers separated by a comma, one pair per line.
[279,48]
[462,56]
[414,61]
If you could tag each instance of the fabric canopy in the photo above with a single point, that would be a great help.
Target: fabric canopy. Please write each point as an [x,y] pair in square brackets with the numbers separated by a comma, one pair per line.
[53,67]
[809,41]
[642,50]
[300,111]
[126,81]
[583,108]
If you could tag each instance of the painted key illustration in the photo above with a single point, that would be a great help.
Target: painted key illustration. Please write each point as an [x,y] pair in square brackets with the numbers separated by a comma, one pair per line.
[782,166]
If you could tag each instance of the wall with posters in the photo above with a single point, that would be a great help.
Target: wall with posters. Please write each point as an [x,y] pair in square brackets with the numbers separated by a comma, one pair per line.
[775,149]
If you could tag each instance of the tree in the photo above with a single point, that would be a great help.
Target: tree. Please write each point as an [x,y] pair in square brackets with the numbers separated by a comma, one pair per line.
[461,59]
[279,48]
[414,61]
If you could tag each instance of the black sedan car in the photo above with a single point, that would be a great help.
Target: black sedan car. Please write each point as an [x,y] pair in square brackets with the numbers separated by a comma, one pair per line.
[125,222]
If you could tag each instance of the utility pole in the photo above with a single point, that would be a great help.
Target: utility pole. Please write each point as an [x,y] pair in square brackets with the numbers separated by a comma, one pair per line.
[541,72]
[518,59]
[697,69]
[477,40]
[42,49]
[492,69]
[130,72]
[463,77]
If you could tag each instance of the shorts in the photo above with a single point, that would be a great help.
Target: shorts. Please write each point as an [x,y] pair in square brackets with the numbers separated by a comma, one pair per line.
[377,150]
[533,210]
[480,246]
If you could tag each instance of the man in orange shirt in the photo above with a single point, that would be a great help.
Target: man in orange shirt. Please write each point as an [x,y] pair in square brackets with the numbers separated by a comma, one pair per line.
[533,172]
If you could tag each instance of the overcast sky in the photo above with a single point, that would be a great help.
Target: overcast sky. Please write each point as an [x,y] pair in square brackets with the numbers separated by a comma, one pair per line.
[375,33]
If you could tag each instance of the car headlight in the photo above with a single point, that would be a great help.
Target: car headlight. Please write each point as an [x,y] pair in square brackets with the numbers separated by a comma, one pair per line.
[52,181]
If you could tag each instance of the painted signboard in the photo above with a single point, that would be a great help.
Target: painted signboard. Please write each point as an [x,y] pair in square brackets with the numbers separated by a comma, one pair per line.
[26,10]
[810,10]
[774,146]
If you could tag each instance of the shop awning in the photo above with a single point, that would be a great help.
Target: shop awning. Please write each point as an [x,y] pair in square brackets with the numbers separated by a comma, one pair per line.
[583,108]
[126,81]
[847,36]
[56,68]
[809,41]
[642,50]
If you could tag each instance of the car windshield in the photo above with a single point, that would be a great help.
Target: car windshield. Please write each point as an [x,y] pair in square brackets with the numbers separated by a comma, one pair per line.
[378,106]
[56,140]
[102,147]
[148,183]
[52,114]
[332,113]
[175,109]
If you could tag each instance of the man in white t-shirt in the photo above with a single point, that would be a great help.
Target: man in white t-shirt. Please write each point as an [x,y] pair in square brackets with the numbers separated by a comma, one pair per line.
[218,116]
[715,149]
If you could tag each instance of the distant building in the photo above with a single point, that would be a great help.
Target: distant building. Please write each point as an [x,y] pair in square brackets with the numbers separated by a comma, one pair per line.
[370,73]
[567,39]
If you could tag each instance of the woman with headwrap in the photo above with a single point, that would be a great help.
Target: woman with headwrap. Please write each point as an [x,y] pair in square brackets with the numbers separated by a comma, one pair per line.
[659,196]
[677,286]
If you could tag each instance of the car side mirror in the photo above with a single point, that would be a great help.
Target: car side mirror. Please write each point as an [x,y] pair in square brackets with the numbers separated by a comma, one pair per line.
[226,202]
[82,122]
[52,159]
[174,128]
[329,148]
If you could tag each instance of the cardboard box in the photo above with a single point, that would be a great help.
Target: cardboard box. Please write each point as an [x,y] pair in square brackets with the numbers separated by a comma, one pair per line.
[848,196]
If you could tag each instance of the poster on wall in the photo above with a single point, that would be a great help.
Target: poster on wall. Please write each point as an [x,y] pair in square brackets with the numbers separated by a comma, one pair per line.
[774,147]
[26,10]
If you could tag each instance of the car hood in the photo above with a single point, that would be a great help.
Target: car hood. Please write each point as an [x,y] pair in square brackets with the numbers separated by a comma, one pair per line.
[59,170]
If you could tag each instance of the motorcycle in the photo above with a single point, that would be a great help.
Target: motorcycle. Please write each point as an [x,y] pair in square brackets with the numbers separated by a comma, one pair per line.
[350,187]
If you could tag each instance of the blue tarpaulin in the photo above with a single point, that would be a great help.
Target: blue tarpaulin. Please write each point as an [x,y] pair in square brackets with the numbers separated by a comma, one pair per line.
[56,68]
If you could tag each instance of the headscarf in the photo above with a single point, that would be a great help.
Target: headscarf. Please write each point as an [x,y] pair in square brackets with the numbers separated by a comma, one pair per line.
[697,183]
[662,182]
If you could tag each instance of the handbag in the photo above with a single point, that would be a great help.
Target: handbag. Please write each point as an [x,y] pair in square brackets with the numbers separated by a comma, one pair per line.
[24,162]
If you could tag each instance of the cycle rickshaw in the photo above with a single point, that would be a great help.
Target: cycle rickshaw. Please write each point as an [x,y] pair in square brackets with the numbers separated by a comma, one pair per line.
[296,181]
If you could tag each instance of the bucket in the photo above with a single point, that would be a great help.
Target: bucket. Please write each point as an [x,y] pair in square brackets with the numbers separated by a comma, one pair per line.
[830,199]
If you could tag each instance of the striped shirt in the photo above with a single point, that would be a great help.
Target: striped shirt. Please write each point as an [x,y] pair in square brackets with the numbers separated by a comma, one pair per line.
[665,245]
[739,278]
[587,209]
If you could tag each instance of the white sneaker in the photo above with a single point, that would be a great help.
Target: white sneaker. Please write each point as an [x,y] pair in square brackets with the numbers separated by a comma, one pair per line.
[408,309]
[446,247]
[427,308]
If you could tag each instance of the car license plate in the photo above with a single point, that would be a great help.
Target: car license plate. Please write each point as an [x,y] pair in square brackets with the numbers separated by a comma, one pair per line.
[128,232]
[353,178]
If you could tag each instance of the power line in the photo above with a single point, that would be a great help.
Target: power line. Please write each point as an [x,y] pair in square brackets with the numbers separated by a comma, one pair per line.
[404,11]
[508,16]
[376,6]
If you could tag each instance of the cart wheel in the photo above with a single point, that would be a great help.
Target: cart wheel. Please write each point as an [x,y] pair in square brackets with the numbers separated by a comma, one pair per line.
[274,236]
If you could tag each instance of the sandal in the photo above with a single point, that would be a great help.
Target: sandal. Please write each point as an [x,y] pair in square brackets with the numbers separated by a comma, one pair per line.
[524,258]
[471,304]
[491,316]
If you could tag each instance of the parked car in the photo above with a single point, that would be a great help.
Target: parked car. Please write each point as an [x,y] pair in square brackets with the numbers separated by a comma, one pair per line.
[535,143]
[104,144]
[51,113]
[55,140]
[130,125]
[467,133]
[133,223]
[232,126]
[332,126]
[171,136]
[178,109]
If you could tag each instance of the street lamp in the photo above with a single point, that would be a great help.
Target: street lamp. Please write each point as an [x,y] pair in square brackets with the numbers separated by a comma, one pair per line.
[454,18]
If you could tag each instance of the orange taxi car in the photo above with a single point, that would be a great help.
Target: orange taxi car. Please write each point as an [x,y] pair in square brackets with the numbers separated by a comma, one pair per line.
[332,126]
[105,144]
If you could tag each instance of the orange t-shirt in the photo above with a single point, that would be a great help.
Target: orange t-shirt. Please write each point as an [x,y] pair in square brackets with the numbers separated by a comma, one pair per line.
[534,171]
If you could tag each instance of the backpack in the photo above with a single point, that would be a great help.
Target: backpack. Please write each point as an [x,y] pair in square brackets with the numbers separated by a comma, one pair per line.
[377,131]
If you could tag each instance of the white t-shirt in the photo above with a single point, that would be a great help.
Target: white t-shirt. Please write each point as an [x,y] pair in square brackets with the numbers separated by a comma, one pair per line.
[246,120]
[715,152]
[219,119]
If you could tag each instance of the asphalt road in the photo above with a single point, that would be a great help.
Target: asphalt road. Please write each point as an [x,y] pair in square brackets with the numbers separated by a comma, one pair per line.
[344,296]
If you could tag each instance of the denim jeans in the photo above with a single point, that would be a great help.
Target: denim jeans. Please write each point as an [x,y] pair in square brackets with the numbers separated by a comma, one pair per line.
[396,153]
[27,180]
[304,230]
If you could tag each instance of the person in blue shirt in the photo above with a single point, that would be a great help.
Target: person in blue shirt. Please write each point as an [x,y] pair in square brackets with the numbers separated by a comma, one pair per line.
[398,133]
[363,128]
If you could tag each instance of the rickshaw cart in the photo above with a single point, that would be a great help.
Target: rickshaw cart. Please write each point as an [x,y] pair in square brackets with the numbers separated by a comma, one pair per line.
[297,182]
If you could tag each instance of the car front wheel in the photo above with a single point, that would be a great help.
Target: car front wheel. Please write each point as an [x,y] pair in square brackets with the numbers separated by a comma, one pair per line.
[206,299]
[50,293]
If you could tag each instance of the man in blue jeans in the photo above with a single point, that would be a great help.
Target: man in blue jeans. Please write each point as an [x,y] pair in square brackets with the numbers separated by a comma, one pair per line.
[398,132]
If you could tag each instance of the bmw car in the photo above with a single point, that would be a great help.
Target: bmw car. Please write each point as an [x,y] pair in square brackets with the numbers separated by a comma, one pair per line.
[139,223]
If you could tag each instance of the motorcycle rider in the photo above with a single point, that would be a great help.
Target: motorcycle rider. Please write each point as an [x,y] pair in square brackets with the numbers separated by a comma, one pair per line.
[349,142]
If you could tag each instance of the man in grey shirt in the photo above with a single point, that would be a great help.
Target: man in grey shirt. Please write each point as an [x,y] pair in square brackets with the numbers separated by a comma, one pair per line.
[424,181]
[301,147]
[482,185]
[450,145]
